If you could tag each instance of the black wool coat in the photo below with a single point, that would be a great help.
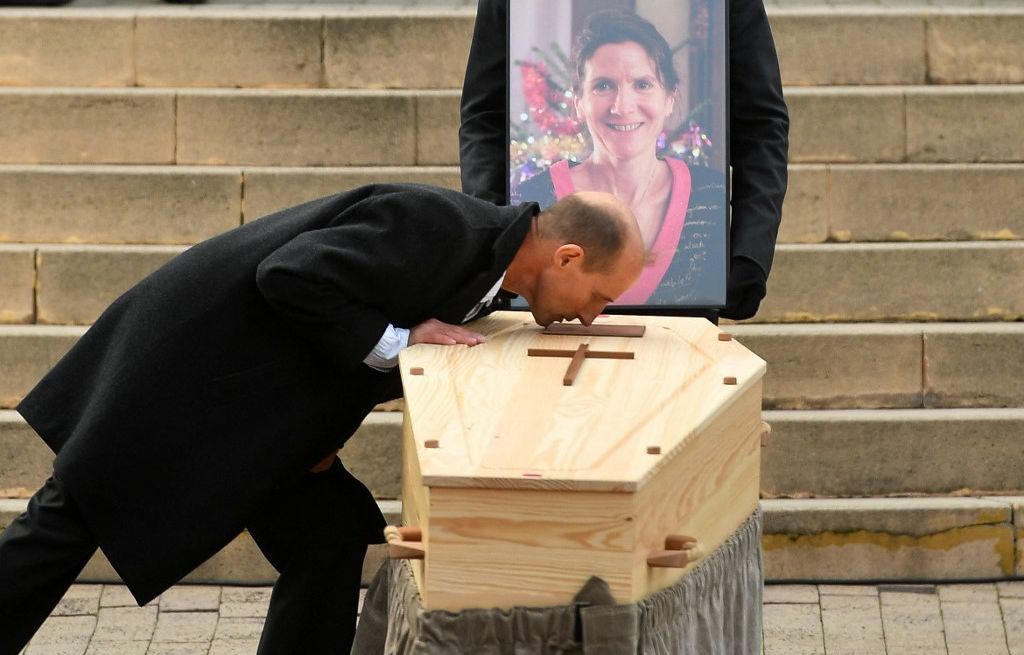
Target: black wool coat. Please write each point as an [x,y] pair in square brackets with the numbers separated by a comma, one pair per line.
[238,365]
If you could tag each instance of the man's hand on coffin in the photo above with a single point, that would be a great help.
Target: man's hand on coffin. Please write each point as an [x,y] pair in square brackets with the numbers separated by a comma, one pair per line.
[443,334]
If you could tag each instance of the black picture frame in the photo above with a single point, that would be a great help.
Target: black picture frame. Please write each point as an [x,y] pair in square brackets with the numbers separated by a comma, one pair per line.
[539,78]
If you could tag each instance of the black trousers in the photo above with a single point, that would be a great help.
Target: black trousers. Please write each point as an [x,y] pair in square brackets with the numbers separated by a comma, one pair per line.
[315,535]
[314,547]
[41,553]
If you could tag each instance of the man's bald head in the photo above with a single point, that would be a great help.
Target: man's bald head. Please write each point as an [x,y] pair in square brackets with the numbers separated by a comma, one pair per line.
[600,223]
[583,253]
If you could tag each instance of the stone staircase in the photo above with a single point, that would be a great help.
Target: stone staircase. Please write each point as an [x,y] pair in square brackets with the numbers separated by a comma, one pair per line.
[896,370]
[895,357]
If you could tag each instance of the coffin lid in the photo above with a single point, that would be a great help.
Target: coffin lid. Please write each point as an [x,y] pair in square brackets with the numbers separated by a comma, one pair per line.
[501,419]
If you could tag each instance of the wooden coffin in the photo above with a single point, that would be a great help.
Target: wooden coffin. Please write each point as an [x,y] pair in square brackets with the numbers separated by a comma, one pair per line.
[522,487]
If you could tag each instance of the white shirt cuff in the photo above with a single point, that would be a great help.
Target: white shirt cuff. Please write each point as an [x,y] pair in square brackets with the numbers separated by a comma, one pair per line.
[384,355]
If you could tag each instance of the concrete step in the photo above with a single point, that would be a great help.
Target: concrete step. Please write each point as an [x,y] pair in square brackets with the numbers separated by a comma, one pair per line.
[911,45]
[373,454]
[184,204]
[905,123]
[894,539]
[240,562]
[72,284]
[298,127]
[811,453]
[905,540]
[885,124]
[903,202]
[301,46]
[168,204]
[873,366]
[810,366]
[389,47]
[934,281]
[870,452]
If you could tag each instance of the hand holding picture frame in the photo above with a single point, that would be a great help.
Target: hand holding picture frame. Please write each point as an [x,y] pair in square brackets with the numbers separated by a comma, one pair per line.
[629,97]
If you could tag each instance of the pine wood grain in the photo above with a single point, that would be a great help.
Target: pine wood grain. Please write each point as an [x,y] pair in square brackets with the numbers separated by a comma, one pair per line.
[490,547]
[534,486]
[415,510]
[498,414]
[704,490]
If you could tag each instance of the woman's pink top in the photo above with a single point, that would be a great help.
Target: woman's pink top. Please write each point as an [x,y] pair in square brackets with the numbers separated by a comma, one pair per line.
[664,248]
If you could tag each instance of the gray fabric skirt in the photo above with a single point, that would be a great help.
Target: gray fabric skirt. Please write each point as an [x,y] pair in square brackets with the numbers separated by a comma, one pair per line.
[714,610]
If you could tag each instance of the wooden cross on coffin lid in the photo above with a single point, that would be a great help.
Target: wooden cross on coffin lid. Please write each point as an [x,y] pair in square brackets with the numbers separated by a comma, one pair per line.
[584,351]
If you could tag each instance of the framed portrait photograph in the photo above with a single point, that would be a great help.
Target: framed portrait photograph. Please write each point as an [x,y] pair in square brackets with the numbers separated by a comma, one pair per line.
[629,97]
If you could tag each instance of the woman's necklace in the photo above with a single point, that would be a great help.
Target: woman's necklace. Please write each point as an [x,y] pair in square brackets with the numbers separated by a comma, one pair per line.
[636,204]
[641,212]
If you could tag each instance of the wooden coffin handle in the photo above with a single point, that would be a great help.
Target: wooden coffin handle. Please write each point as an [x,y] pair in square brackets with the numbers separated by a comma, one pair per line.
[405,542]
[680,551]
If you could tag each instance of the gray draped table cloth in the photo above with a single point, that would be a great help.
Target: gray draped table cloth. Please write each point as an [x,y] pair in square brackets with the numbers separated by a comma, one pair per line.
[713,610]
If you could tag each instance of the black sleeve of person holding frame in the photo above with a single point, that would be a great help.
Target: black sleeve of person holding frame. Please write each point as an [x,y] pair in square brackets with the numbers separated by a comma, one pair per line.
[758,138]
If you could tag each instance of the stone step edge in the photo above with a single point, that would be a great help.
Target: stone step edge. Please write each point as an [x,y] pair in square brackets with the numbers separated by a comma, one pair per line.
[929,414]
[199,169]
[867,329]
[363,11]
[239,92]
[269,10]
[370,454]
[867,246]
[390,414]
[240,562]
[808,90]
[873,532]
[879,415]
[888,515]
[894,540]
[194,169]
[914,11]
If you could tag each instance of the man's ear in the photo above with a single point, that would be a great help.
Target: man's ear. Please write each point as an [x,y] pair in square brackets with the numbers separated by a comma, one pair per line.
[568,255]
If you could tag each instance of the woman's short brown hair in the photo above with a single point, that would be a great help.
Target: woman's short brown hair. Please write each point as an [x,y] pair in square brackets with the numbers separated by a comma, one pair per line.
[620,26]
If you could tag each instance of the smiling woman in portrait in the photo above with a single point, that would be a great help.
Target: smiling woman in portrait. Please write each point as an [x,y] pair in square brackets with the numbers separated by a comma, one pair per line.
[624,92]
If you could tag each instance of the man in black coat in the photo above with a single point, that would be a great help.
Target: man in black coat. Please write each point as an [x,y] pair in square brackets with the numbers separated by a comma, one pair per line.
[198,402]
[758,139]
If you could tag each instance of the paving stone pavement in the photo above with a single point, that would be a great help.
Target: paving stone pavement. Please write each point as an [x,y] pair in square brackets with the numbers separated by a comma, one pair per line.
[963,619]
[895,619]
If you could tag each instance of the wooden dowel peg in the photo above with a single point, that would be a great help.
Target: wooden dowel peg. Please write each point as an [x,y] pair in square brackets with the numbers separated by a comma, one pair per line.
[431,443]
[405,542]
[410,533]
[416,370]
[679,542]
[653,450]
[729,380]
[668,559]
[680,551]
[724,336]
[575,364]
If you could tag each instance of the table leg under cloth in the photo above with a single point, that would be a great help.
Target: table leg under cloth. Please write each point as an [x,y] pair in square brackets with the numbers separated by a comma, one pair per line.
[714,610]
